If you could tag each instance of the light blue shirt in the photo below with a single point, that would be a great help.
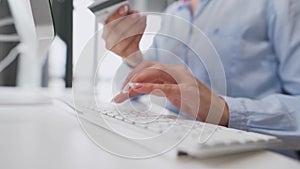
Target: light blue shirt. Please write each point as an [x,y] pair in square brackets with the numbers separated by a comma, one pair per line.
[259,45]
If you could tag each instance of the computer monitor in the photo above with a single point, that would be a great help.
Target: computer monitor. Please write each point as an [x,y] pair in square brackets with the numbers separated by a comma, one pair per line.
[35,26]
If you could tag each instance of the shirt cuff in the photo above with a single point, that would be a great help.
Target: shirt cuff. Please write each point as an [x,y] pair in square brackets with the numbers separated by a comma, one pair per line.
[237,113]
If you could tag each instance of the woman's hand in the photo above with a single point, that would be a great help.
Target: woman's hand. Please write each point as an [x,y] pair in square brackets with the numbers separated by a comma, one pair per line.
[180,87]
[122,34]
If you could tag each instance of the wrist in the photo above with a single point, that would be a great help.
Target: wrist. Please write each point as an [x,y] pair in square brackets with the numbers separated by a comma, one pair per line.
[225,117]
[134,59]
[219,110]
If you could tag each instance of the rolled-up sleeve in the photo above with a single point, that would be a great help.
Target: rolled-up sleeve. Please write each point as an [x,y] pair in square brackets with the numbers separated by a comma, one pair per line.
[277,114]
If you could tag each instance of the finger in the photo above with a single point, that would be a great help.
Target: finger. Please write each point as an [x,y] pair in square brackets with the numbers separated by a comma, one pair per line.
[120,98]
[135,73]
[122,11]
[114,22]
[126,27]
[123,47]
[124,96]
[136,28]
[114,19]
[147,75]
[153,74]
[165,90]
[136,70]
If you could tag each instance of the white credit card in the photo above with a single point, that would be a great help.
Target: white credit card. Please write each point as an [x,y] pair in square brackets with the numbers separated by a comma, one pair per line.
[105,8]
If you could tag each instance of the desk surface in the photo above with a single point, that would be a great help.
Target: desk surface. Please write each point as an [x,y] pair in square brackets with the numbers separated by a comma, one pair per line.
[47,136]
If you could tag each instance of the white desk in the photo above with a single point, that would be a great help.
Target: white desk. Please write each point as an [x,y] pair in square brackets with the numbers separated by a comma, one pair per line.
[48,137]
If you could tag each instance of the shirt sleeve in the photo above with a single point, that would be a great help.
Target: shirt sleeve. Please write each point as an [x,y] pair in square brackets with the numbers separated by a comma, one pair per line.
[277,114]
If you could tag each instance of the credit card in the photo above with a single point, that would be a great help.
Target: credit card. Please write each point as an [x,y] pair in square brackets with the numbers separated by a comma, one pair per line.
[105,8]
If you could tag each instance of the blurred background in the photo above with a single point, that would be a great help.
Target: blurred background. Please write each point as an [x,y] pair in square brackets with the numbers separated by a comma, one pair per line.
[75,26]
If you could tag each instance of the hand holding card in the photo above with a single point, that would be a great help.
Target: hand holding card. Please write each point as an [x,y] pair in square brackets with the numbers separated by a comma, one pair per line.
[105,8]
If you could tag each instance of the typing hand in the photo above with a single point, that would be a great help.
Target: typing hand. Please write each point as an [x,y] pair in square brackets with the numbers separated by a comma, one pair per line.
[123,32]
[180,87]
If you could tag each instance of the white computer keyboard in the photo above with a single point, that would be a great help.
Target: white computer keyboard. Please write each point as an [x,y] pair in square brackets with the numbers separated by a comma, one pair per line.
[199,139]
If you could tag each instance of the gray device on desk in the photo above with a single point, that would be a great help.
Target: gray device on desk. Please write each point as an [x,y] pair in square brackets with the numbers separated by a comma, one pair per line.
[35,27]
[34,23]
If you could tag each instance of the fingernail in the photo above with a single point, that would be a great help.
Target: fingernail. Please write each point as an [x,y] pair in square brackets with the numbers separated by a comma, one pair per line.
[135,85]
[126,8]
[123,10]
[125,89]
